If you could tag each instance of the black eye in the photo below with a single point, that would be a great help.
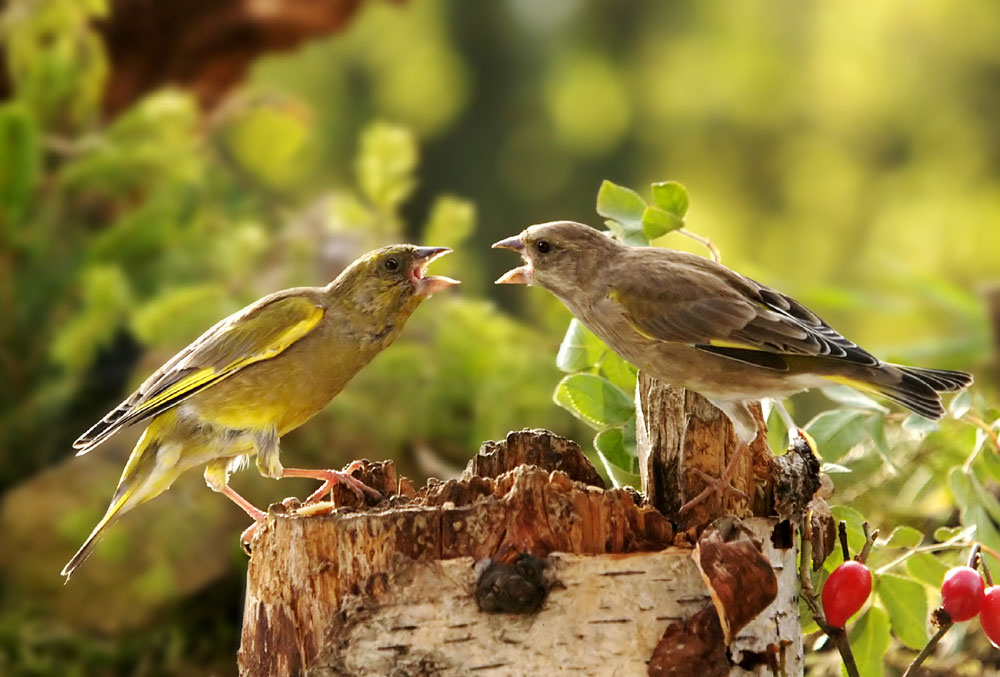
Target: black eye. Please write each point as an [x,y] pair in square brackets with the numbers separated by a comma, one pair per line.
[392,264]
[543,247]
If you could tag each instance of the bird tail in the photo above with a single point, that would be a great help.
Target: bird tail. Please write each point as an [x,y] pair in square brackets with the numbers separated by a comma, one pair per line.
[915,388]
[132,490]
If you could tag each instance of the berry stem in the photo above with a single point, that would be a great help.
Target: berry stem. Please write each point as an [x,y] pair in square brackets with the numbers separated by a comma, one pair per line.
[929,649]
[837,635]
[982,560]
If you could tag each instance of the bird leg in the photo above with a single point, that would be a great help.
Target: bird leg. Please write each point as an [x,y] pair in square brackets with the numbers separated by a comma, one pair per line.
[249,508]
[718,485]
[332,477]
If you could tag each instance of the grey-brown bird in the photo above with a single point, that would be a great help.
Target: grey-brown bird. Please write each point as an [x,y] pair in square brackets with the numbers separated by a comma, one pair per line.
[696,324]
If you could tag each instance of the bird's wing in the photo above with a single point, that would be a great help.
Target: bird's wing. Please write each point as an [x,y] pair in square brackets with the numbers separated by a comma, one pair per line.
[259,332]
[691,300]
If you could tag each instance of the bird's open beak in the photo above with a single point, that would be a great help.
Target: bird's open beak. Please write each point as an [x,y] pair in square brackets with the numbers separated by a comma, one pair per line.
[426,286]
[520,275]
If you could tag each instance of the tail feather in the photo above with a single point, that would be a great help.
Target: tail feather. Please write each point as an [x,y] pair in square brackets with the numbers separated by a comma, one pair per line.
[133,488]
[918,389]
[941,380]
[115,511]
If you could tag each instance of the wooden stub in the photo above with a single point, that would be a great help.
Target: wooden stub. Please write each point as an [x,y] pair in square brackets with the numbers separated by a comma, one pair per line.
[678,430]
[310,567]
[392,589]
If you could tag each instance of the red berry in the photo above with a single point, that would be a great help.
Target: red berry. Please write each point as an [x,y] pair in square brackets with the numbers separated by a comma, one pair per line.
[845,592]
[962,593]
[989,615]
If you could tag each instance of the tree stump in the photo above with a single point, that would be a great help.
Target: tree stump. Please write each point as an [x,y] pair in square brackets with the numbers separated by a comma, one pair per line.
[525,564]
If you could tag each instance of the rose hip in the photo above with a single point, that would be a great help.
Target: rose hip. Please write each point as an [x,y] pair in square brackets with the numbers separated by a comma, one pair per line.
[962,593]
[989,614]
[846,591]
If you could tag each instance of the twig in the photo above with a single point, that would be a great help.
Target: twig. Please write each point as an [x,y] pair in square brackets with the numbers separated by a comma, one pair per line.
[842,532]
[837,635]
[929,649]
[956,541]
[712,249]
[870,537]
[985,427]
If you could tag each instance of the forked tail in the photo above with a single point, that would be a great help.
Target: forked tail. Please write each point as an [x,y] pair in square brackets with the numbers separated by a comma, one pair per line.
[918,389]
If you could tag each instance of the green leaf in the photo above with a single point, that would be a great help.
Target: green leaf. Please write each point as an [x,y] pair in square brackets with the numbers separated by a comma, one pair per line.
[451,222]
[21,150]
[870,640]
[671,196]
[622,204]
[594,400]
[927,569]
[777,431]
[611,443]
[837,432]
[618,371]
[960,404]
[385,164]
[657,222]
[906,602]
[881,441]
[942,534]
[579,349]
[618,476]
[268,139]
[176,315]
[904,537]
[852,399]
[918,426]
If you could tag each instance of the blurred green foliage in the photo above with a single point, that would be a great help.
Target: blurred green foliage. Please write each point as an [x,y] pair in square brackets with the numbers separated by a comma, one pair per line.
[848,155]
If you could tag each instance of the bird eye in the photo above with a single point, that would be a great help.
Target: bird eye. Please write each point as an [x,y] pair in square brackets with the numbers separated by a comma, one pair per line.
[392,264]
[543,246]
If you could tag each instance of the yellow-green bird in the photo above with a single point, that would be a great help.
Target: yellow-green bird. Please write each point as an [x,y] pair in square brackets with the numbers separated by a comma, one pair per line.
[258,374]
[696,324]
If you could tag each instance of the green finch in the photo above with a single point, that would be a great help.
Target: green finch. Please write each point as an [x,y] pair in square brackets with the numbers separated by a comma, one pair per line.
[258,374]
[695,324]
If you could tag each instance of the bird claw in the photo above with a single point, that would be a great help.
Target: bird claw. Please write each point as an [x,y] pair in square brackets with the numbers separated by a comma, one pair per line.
[332,477]
[716,485]
[247,536]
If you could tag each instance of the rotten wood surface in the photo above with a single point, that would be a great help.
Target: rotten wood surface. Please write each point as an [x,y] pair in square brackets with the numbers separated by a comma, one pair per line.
[678,432]
[394,588]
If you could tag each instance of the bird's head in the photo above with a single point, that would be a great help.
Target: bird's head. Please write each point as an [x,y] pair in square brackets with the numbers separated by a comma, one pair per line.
[394,276]
[559,256]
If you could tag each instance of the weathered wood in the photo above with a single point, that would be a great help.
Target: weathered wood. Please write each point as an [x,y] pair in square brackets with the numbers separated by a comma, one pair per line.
[390,589]
[678,431]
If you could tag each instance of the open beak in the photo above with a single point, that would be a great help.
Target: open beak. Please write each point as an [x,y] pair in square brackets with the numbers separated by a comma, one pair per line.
[520,275]
[429,285]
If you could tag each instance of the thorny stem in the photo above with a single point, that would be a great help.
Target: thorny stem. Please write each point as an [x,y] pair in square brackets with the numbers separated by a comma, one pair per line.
[942,617]
[712,249]
[837,635]
[929,649]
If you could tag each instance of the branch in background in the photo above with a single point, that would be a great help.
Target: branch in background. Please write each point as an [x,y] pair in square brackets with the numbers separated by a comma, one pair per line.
[837,635]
